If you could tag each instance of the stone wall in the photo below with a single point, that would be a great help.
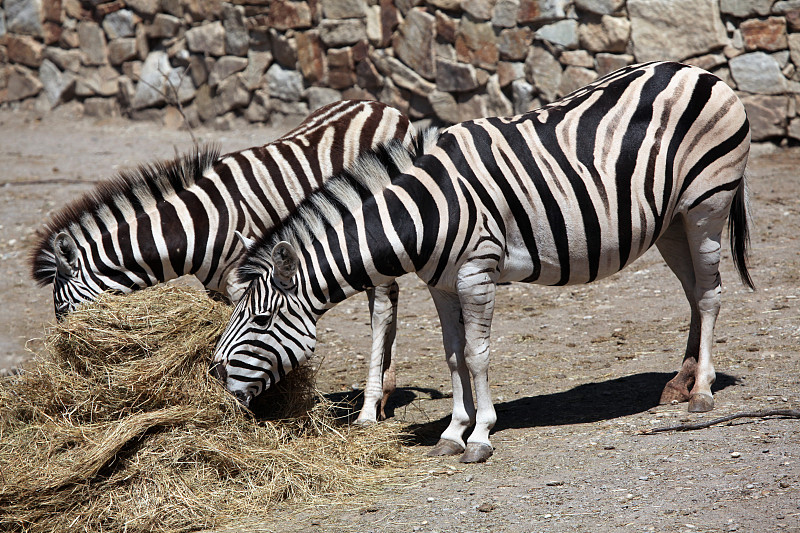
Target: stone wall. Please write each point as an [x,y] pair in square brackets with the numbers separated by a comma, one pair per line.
[216,63]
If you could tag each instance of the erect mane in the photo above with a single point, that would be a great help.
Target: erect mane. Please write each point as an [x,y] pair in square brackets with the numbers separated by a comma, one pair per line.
[343,193]
[168,177]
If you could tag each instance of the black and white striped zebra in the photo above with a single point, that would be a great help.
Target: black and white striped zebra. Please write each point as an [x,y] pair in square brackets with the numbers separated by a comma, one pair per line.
[569,193]
[180,217]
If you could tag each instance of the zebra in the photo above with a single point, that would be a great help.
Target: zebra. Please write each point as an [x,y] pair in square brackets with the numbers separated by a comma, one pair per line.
[178,217]
[652,154]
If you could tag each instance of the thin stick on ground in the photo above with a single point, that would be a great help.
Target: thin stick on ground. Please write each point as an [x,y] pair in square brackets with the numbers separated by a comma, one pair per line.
[784,413]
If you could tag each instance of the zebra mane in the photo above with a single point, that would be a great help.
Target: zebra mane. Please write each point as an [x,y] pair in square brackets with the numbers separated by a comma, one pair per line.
[343,193]
[167,177]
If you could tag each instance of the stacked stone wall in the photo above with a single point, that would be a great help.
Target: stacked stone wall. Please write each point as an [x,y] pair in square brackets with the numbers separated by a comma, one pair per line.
[217,63]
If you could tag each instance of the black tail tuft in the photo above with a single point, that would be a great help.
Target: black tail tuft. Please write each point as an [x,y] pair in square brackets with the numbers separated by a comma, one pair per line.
[740,234]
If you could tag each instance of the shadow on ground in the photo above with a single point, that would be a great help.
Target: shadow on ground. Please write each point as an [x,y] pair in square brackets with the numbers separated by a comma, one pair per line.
[590,402]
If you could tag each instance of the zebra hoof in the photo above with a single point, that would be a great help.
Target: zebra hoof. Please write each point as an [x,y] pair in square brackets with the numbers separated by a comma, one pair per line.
[364,423]
[476,452]
[701,403]
[445,447]
[673,393]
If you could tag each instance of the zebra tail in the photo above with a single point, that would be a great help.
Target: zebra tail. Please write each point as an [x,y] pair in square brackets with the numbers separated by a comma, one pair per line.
[739,233]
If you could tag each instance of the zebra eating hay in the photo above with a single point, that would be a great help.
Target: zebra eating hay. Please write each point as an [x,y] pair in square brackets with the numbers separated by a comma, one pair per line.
[652,154]
[180,217]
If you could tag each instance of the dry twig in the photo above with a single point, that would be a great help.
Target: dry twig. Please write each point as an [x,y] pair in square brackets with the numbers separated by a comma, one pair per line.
[785,413]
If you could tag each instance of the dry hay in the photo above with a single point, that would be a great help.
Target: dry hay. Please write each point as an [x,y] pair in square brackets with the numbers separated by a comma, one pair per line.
[119,427]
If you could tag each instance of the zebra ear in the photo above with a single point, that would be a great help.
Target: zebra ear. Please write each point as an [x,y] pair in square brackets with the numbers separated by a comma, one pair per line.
[246,241]
[66,252]
[284,258]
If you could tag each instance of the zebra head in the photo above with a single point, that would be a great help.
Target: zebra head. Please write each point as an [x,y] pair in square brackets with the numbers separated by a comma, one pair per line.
[271,330]
[71,286]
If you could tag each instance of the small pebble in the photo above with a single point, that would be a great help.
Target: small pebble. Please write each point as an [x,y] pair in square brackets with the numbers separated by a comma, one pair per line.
[554,483]
[430,499]
[486,507]
[469,478]
[736,455]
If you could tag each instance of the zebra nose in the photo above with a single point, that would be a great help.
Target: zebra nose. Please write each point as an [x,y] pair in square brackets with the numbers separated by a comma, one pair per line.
[218,371]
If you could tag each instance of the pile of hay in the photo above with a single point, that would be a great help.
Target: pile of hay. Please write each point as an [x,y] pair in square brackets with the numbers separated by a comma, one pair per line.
[119,427]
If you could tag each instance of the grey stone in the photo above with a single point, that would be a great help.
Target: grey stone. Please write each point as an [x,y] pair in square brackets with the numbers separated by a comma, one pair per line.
[607,63]
[497,104]
[509,71]
[231,94]
[782,8]
[257,63]
[708,61]
[21,83]
[284,84]
[794,129]
[600,7]
[64,59]
[172,7]
[58,87]
[258,110]
[675,29]
[610,35]
[288,110]
[126,91]
[444,106]
[781,57]
[122,50]
[24,49]
[284,49]
[574,78]
[180,86]
[152,86]
[577,58]
[335,33]
[204,103]
[523,95]
[237,40]
[544,72]
[145,7]
[455,77]
[119,24]
[2,23]
[745,8]
[794,48]
[471,107]
[449,5]
[563,33]
[102,81]
[164,25]
[413,42]
[479,9]
[374,25]
[92,43]
[505,13]
[225,67]
[757,72]
[24,16]
[207,39]
[767,116]
[344,9]
[101,107]
[401,74]
[541,10]
[320,96]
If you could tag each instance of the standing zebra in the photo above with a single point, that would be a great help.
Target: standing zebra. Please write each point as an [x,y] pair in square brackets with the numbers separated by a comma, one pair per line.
[566,194]
[180,217]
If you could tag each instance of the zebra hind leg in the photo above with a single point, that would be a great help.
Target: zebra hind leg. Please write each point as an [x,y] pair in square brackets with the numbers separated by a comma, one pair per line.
[381,375]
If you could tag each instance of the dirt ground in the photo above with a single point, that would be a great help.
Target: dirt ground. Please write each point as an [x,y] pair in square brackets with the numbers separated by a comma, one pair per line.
[576,372]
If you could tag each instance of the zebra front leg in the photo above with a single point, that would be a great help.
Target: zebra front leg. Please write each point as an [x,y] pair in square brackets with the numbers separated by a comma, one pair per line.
[381,377]
[448,307]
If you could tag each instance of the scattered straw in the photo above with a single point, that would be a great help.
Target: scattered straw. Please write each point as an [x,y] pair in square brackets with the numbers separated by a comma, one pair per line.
[119,427]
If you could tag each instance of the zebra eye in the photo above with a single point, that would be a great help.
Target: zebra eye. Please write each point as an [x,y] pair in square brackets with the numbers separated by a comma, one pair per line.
[261,320]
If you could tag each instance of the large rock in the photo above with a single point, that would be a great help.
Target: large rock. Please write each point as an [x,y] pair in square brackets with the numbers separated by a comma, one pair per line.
[159,83]
[207,39]
[476,43]
[444,106]
[24,49]
[335,33]
[523,94]
[745,8]
[609,35]
[225,67]
[164,26]
[400,74]
[575,78]
[413,42]
[145,7]
[610,62]
[321,96]
[479,9]
[58,87]
[310,56]
[21,83]
[64,59]
[102,81]
[122,50]
[341,68]
[231,94]
[285,15]
[24,16]
[540,10]
[237,39]
[508,71]
[120,23]
[675,29]
[563,33]
[257,63]
[505,14]
[455,77]
[367,76]
[344,9]
[284,48]
[768,34]
[757,72]
[600,7]
[284,84]
[767,116]
[544,72]
[513,44]
[497,104]
[92,43]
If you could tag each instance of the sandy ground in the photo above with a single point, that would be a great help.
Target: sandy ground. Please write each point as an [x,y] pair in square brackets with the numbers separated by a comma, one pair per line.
[576,372]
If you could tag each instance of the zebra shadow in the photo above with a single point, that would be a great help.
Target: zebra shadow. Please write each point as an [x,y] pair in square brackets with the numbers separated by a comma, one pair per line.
[589,402]
[348,404]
